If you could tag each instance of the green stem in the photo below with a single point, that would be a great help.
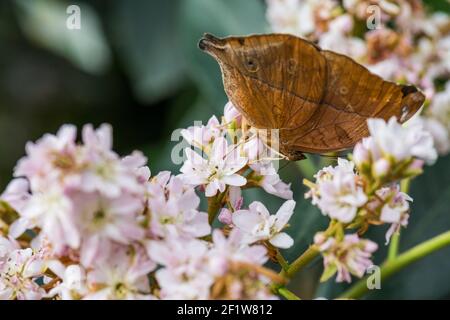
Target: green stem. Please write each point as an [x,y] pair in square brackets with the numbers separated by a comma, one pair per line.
[282,261]
[284,292]
[389,268]
[301,261]
[307,256]
[393,246]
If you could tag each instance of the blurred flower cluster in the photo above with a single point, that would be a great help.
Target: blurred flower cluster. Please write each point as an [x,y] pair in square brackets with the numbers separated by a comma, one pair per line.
[365,191]
[396,39]
[81,222]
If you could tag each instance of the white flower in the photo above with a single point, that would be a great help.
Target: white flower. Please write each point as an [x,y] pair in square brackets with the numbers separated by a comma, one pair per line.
[16,193]
[105,172]
[257,223]
[122,276]
[53,158]
[336,191]
[441,135]
[231,114]
[202,136]
[233,248]
[218,171]
[184,274]
[102,221]
[267,177]
[402,142]
[73,281]
[19,269]
[52,211]
[174,208]
[337,38]
[395,210]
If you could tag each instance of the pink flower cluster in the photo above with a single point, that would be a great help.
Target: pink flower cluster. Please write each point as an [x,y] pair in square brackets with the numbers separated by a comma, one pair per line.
[90,224]
[364,191]
[228,149]
[350,255]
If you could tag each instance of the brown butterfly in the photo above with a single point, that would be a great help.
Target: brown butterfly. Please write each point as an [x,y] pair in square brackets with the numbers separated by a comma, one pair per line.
[318,99]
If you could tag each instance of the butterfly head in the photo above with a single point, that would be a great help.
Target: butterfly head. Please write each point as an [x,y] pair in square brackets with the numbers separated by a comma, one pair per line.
[234,52]
[212,45]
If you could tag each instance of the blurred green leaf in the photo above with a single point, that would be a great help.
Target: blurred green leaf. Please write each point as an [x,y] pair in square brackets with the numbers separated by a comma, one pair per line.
[438,5]
[44,22]
[145,36]
[222,18]
[428,278]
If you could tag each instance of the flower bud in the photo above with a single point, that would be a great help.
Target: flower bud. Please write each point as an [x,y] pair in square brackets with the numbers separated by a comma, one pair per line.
[225,216]
[360,154]
[381,168]
[231,114]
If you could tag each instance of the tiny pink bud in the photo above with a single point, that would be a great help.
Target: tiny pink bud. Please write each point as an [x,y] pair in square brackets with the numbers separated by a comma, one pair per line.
[320,238]
[381,167]
[360,154]
[417,164]
[225,216]
[231,114]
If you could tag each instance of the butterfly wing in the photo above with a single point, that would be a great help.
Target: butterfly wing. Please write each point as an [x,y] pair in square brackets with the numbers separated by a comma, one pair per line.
[320,100]
[352,95]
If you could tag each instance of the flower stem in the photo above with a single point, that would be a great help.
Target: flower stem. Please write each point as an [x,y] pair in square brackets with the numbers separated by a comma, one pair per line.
[390,267]
[308,255]
[214,204]
[282,261]
[284,292]
[301,261]
[393,246]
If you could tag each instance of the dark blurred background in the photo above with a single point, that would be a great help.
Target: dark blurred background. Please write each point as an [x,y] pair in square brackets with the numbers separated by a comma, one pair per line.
[135,64]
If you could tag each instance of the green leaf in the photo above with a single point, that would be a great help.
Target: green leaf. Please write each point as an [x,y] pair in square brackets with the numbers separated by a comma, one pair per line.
[44,22]
[146,38]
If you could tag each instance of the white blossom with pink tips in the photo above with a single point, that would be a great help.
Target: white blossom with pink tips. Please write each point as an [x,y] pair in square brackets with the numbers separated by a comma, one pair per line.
[395,209]
[19,268]
[337,192]
[219,170]
[122,276]
[258,224]
[173,208]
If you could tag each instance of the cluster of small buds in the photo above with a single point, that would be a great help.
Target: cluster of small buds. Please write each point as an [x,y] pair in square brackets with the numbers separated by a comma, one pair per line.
[396,39]
[393,151]
[365,191]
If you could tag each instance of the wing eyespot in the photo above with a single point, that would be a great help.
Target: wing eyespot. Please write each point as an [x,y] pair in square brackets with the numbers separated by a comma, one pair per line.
[251,65]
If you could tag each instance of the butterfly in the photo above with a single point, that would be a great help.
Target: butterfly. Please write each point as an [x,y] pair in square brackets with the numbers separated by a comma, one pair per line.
[318,100]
